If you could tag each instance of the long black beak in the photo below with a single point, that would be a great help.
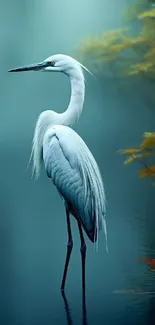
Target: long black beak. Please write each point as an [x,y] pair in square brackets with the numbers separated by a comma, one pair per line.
[30,67]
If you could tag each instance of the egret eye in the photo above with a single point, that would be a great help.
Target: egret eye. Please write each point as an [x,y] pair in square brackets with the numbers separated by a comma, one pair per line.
[52,63]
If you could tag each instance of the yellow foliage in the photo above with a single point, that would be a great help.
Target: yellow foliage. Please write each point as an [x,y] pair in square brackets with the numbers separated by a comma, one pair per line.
[149,140]
[134,10]
[148,29]
[147,172]
[133,158]
[130,151]
[109,58]
[131,54]
[140,154]
[140,67]
[114,45]
[130,159]
[149,134]
[115,34]
[147,14]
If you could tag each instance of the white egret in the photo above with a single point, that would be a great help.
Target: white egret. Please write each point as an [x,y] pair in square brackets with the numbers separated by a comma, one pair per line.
[67,159]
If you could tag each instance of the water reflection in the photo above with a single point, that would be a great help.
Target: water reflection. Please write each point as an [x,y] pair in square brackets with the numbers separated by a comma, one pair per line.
[67,309]
[151,313]
[68,313]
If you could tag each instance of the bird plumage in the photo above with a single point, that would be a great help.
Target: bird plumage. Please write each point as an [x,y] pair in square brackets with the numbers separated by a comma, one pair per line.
[74,172]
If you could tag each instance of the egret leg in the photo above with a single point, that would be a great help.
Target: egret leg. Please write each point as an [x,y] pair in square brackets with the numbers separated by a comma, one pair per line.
[83,257]
[69,250]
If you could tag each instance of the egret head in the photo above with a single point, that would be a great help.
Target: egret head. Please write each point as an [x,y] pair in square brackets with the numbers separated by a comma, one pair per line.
[55,63]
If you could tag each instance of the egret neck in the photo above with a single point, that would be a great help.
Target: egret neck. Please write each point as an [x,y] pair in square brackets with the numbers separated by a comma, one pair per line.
[73,112]
[68,118]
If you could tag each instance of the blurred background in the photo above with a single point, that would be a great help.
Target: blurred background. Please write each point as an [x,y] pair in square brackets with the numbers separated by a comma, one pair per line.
[118,109]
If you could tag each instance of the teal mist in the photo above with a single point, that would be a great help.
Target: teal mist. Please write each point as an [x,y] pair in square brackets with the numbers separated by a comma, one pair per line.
[33,232]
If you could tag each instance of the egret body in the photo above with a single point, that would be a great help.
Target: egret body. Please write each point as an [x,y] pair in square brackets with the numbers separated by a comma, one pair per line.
[68,161]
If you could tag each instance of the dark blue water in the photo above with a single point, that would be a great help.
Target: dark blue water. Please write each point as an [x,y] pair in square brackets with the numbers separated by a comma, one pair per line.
[118,287]
[36,300]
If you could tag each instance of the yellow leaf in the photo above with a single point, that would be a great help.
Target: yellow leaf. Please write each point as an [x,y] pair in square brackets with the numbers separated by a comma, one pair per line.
[120,46]
[130,151]
[130,159]
[149,135]
[148,142]
[138,40]
[147,172]
[147,14]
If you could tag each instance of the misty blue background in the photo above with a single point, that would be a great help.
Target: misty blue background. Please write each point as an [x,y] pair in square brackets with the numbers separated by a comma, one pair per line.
[33,232]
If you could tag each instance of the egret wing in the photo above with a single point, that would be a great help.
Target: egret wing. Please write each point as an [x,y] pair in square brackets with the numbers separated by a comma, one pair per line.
[73,170]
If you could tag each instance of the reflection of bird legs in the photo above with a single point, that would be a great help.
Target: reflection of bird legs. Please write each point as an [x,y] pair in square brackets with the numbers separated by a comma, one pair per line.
[68,316]
[84,310]
[67,309]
